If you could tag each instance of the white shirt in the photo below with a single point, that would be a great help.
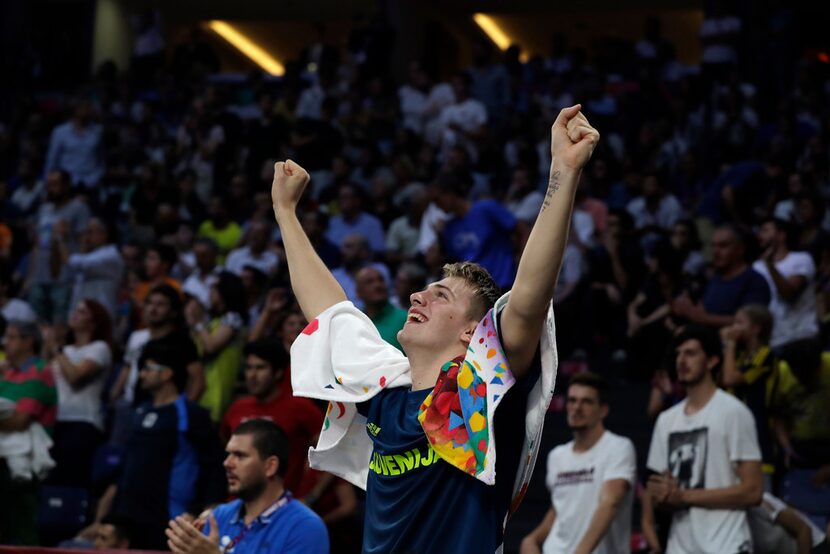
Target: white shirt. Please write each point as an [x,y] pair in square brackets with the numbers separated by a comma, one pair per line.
[19,310]
[266,262]
[701,451]
[795,319]
[768,536]
[575,481]
[135,344]
[97,276]
[84,404]
[198,285]
[413,103]
[667,214]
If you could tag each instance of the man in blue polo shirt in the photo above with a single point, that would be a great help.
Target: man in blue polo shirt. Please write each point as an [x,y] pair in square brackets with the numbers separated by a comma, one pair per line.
[265,517]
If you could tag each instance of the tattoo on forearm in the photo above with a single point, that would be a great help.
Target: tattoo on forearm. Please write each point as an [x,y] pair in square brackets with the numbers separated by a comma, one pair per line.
[553,187]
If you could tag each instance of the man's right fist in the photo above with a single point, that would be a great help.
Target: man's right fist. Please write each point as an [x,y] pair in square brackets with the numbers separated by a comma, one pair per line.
[289,183]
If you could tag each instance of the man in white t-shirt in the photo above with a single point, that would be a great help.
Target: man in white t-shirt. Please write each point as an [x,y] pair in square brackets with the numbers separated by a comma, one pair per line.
[790,276]
[704,456]
[591,480]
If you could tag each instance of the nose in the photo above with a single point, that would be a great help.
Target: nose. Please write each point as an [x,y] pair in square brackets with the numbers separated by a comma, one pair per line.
[417,298]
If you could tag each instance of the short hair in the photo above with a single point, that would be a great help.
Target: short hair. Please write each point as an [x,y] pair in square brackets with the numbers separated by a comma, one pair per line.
[269,440]
[458,182]
[596,382]
[759,315]
[209,242]
[269,350]
[166,252]
[485,289]
[27,330]
[782,226]
[707,337]
[173,296]
[166,352]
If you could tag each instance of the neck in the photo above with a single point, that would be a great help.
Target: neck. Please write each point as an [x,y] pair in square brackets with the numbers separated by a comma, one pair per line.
[426,364]
[733,271]
[374,308]
[161,330]
[585,439]
[165,395]
[82,337]
[17,361]
[254,508]
[462,207]
[781,252]
[699,394]
[270,396]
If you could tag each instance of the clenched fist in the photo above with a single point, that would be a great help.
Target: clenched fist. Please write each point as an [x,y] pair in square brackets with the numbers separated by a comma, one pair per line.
[572,139]
[289,183]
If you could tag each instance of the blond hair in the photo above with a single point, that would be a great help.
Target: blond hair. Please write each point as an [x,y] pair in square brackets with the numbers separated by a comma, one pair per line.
[485,290]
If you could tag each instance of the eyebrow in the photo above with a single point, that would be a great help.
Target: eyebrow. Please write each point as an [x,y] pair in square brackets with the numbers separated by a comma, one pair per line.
[438,285]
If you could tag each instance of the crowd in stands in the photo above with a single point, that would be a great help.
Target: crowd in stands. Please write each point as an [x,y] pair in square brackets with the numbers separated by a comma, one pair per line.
[147,312]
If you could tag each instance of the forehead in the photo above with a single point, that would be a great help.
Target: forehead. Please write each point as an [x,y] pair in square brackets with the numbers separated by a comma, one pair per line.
[692,346]
[242,443]
[723,237]
[578,390]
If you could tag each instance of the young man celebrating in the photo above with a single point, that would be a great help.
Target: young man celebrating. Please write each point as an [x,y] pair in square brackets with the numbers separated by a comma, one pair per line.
[705,457]
[428,461]
[591,481]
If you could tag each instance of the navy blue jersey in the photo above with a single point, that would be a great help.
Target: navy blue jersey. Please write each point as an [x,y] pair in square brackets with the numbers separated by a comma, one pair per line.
[418,503]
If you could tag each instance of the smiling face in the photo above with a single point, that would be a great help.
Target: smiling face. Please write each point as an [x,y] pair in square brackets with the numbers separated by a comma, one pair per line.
[440,317]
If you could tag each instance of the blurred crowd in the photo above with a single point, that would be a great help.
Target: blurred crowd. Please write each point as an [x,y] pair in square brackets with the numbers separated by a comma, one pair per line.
[143,282]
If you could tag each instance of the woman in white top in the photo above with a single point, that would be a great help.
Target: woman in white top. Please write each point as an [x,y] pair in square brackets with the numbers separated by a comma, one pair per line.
[81,369]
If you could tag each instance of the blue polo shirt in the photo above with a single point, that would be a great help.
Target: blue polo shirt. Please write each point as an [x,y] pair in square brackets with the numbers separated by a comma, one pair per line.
[292,528]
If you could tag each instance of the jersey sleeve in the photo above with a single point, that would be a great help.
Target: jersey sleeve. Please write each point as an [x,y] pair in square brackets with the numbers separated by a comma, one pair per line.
[622,463]
[743,437]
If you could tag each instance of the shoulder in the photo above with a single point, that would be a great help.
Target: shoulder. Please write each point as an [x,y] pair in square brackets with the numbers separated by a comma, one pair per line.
[302,518]
[667,417]
[725,402]
[225,512]
[618,443]
[559,451]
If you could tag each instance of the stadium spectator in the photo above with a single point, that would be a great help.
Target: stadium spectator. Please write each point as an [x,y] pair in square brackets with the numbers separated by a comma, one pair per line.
[791,280]
[300,419]
[219,227]
[159,260]
[356,255]
[46,281]
[205,272]
[220,336]
[734,284]
[265,514]
[750,371]
[81,369]
[704,458]
[255,253]
[171,458]
[97,268]
[373,292]
[75,147]
[591,480]
[353,220]
[27,397]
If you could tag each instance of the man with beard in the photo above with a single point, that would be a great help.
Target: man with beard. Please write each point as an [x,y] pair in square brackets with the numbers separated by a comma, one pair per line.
[265,516]
[704,456]
[591,480]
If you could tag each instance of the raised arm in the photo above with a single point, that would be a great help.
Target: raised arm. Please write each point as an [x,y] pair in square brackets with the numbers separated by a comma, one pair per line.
[314,286]
[572,143]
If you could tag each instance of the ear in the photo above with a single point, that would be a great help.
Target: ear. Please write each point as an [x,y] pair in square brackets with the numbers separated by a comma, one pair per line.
[467,333]
[604,410]
[712,362]
[272,466]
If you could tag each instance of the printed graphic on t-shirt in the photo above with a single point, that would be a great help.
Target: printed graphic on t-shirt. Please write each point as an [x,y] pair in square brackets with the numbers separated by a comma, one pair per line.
[687,457]
[574,477]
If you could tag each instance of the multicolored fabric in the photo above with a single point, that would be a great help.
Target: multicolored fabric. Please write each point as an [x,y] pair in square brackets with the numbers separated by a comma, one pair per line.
[32,388]
[457,413]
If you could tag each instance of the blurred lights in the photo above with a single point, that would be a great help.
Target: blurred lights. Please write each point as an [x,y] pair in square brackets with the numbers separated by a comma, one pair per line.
[495,33]
[248,47]
[492,30]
